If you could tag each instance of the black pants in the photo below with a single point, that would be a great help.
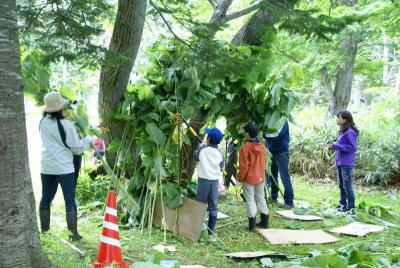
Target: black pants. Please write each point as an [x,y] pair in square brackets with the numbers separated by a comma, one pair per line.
[77,166]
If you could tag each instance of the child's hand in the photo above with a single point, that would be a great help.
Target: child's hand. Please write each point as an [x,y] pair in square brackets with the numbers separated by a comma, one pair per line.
[329,146]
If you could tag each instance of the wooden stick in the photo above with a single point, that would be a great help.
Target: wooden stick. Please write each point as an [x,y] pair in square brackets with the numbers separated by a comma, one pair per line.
[80,252]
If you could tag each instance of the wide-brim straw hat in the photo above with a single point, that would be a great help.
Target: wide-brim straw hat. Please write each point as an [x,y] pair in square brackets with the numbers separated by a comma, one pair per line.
[53,102]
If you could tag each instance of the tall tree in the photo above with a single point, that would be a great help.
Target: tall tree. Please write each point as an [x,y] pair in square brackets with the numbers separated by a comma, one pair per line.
[118,63]
[20,245]
[250,33]
[339,95]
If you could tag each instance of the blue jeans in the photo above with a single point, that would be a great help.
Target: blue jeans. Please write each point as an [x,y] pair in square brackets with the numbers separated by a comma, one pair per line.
[49,189]
[207,192]
[345,180]
[280,163]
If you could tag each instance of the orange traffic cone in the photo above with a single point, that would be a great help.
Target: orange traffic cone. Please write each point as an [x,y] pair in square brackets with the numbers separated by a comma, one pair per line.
[110,248]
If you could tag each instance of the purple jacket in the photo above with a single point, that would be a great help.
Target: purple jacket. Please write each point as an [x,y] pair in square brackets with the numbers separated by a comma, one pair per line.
[346,147]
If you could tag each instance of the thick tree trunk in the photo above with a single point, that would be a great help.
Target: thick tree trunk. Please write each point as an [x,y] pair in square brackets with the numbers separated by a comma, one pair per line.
[20,244]
[344,75]
[118,63]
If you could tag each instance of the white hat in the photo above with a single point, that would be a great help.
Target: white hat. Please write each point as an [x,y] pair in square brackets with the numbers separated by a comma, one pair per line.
[53,102]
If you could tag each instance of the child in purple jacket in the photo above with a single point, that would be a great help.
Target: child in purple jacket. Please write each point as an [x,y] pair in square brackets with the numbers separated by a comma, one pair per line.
[345,149]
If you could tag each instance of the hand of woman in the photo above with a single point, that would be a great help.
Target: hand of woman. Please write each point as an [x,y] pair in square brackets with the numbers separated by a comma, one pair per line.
[329,146]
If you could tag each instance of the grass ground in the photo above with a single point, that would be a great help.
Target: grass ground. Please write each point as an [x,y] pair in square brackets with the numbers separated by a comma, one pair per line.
[137,245]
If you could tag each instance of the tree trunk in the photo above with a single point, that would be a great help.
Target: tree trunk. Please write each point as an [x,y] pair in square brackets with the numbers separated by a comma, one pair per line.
[397,84]
[344,75]
[385,58]
[117,66]
[327,84]
[357,93]
[20,244]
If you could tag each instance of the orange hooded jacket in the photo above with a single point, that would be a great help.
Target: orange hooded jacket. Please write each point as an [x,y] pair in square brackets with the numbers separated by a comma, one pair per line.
[252,162]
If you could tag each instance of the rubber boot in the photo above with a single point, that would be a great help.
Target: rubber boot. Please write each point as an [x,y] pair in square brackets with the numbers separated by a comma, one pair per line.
[44,215]
[72,225]
[264,221]
[212,221]
[252,224]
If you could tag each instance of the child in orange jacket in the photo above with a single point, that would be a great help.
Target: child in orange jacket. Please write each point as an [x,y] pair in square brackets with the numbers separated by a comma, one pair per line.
[252,163]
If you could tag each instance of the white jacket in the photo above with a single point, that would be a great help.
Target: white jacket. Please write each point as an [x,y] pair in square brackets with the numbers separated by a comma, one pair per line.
[56,159]
[211,161]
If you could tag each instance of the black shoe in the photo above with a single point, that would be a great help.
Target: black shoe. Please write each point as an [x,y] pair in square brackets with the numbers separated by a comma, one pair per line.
[72,225]
[252,224]
[341,208]
[44,215]
[291,206]
[264,221]
[350,212]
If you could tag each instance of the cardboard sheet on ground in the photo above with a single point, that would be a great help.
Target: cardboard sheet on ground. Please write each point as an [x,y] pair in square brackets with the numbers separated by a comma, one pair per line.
[220,216]
[290,215]
[189,219]
[358,229]
[283,236]
[254,255]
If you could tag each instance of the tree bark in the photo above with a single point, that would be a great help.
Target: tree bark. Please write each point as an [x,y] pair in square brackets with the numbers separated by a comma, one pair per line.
[118,63]
[385,58]
[20,243]
[327,84]
[344,75]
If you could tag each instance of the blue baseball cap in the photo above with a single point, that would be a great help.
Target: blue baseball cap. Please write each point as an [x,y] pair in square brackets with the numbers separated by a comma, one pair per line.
[215,135]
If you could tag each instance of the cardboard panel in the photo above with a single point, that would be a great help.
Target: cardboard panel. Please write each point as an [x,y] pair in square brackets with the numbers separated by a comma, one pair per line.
[358,229]
[283,236]
[220,216]
[290,215]
[185,220]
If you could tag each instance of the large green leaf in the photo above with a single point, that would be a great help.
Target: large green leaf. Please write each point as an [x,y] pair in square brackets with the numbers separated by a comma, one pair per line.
[158,169]
[156,135]
[325,261]
[276,115]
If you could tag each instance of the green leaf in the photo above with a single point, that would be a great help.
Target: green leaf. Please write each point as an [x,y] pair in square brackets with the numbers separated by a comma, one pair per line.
[172,196]
[156,135]
[158,169]
[114,145]
[294,225]
[359,257]
[267,262]
[68,93]
[145,92]
[300,211]
[325,261]
[276,115]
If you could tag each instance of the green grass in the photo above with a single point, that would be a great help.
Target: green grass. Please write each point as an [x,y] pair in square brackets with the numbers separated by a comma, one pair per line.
[137,245]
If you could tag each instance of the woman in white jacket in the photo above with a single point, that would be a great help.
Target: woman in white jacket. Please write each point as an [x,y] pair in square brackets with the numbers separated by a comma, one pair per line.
[59,142]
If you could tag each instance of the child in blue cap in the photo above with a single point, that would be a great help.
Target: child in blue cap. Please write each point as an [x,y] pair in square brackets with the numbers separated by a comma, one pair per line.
[209,172]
